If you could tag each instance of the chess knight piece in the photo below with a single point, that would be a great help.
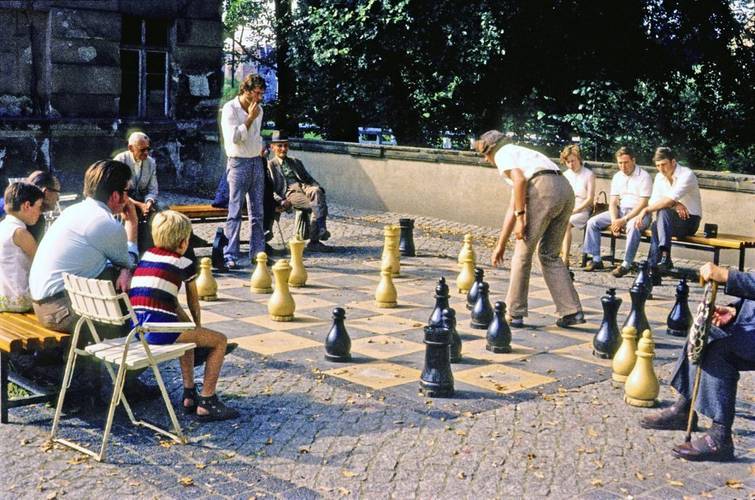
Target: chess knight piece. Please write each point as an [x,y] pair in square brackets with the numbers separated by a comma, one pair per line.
[338,342]
[467,250]
[625,357]
[466,277]
[679,319]
[479,276]
[437,380]
[207,287]
[449,323]
[441,302]
[385,294]
[482,313]
[641,387]
[220,241]
[636,318]
[261,281]
[281,305]
[298,276]
[406,243]
[608,338]
[499,334]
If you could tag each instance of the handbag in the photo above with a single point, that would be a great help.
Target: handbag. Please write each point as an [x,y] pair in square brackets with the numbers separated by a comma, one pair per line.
[600,206]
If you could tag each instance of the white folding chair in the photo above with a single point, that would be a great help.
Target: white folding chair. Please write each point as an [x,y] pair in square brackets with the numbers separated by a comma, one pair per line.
[96,301]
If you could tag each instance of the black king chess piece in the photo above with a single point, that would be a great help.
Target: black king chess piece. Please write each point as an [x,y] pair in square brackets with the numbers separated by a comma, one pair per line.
[449,322]
[338,343]
[218,244]
[608,337]
[406,239]
[437,380]
[636,317]
[474,291]
[680,318]
[498,339]
[441,302]
[482,313]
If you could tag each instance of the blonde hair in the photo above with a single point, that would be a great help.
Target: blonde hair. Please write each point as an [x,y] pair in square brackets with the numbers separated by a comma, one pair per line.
[571,149]
[170,229]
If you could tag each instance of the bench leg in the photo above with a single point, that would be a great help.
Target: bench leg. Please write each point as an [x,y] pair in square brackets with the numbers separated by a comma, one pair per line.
[613,250]
[3,387]
[716,255]
[742,259]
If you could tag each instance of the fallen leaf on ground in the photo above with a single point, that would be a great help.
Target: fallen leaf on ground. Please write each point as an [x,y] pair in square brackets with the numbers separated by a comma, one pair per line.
[344,492]
[462,475]
[200,466]
[166,443]
[186,481]
[734,484]
[639,476]
[596,482]
[303,450]
[347,473]
[673,482]
[78,459]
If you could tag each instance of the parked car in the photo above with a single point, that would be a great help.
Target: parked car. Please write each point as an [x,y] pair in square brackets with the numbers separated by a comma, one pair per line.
[376,135]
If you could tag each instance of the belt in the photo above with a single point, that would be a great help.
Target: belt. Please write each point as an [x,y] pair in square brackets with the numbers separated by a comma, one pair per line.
[51,298]
[545,172]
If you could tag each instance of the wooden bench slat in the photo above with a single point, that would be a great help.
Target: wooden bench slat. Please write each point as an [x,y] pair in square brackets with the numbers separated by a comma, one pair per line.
[20,331]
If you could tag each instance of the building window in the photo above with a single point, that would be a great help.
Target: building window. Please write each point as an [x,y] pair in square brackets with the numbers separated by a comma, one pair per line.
[144,67]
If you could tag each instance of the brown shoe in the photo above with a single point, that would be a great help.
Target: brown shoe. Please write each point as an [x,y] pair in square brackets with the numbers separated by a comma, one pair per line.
[673,418]
[593,266]
[620,271]
[706,448]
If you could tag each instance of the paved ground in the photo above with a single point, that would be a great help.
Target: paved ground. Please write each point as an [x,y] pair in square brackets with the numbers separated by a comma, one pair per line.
[309,429]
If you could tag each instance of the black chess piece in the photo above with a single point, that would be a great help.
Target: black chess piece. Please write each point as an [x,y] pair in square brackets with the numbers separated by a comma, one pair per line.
[218,244]
[479,275]
[499,334]
[338,343]
[643,279]
[636,317]
[608,337]
[680,318]
[482,313]
[437,380]
[441,302]
[654,276]
[449,323]
[406,241]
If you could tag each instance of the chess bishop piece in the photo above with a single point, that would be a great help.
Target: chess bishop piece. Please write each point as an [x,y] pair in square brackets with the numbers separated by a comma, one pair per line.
[482,313]
[641,387]
[441,302]
[261,281]
[479,276]
[623,360]
[437,380]
[608,338]
[498,339]
[298,276]
[207,287]
[281,305]
[449,323]
[385,294]
[338,342]
[218,244]
[467,250]
[643,279]
[406,242]
[465,280]
[679,319]
[636,318]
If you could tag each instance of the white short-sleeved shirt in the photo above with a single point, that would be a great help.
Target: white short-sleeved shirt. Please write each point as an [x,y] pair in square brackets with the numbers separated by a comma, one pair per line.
[579,182]
[631,188]
[682,188]
[527,160]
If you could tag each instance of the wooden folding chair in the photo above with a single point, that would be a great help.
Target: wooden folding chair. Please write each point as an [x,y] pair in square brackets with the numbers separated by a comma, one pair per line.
[96,301]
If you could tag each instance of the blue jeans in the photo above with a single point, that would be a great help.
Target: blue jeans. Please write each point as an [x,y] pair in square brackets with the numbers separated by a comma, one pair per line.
[246,180]
[601,221]
[667,223]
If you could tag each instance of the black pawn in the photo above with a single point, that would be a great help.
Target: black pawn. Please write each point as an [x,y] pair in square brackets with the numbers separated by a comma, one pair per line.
[608,337]
[218,244]
[499,334]
[338,343]
[437,380]
[482,313]
[449,323]
[441,302]
[644,280]
[680,318]
[479,275]
[406,241]
[637,317]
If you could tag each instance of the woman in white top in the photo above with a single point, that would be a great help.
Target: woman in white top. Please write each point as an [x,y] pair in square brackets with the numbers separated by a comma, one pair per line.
[582,181]
[23,203]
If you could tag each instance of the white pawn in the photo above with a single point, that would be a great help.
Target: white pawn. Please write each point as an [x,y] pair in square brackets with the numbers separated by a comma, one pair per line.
[281,305]
[641,387]
[298,277]
[207,287]
[261,281]
[385,294]
[467,250]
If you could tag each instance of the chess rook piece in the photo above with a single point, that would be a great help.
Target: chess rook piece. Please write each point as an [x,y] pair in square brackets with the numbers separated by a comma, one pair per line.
[679,319]
[467,250]
[636,318]
[608,338]
[479,276]
[261,281]
[449,323]
[643,279]
[385,294]
[499,334]
[441,302]
[482,312]
[406,243]
[218,244]
[338,343]
[465,280]
[625,357]
[437,380]
[298,276]
[207,287]
[281,305]
[390,256]
[641,387]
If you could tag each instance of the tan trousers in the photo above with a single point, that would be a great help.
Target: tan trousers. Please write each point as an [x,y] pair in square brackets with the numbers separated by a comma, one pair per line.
[550,201]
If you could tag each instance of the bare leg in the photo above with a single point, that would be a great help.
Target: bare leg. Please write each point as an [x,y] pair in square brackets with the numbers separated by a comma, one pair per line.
[216,342]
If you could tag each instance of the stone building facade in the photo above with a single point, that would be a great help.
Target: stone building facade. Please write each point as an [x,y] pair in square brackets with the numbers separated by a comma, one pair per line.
[77,76]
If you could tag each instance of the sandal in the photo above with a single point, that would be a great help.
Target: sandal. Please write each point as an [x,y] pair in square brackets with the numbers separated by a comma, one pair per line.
[194,396]
[217,410]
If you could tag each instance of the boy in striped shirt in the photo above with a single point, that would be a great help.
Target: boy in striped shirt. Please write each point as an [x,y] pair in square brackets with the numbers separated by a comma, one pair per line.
[154,297]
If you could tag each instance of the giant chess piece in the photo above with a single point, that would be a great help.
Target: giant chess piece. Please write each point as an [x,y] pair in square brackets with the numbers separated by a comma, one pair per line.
[281,305]
[338,343]
[385,293]
[406,243]
[207,287]
[625,357]
[261,281]
[641,387]
[608,338]
[390,257]
[467,250]
[479,276]
[441,302]
[636,318]
[218,244]
[482,312]
[298,276]
[449,323]
[498,339]
[643,279]
[679,319]
[465,280]
[437,380]
[396,267]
